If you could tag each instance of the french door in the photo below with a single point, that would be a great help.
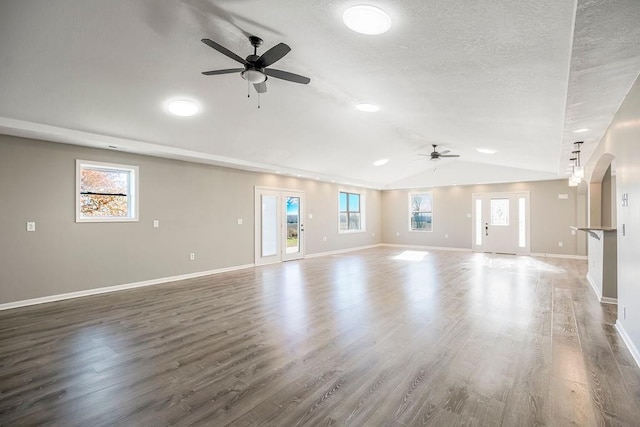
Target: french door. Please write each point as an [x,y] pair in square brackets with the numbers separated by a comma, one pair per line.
[501,223]
[279,228]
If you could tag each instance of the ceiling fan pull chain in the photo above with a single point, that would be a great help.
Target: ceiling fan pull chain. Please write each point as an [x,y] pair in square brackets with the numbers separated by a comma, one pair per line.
[258,100]
[248,89]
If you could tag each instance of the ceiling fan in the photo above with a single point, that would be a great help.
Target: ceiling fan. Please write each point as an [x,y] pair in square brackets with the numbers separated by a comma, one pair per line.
[256,68]
[435,155]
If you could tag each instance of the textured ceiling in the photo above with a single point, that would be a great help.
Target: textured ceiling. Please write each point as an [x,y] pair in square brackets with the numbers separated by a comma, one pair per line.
[509,75]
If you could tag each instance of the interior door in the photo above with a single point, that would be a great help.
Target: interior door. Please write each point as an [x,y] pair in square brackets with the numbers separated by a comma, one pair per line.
[501,223]
[279,228]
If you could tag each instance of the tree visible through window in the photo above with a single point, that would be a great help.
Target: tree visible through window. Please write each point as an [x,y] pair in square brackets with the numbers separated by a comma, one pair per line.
[106,192]
[350,214]
[421,212]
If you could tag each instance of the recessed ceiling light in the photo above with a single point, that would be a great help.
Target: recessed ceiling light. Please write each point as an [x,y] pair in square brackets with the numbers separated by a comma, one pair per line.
[183,108]
[380,162]
[486,151]
[278,172]
[368,108]
[581,130]
[365,19]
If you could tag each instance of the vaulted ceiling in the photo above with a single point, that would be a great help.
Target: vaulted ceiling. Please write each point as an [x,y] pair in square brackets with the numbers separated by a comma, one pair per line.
[518,77]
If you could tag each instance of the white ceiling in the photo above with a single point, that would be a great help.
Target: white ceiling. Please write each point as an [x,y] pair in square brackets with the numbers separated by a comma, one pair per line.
[509,75]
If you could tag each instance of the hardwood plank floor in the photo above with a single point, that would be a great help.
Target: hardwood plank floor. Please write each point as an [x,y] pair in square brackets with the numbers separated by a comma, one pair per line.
[384,336]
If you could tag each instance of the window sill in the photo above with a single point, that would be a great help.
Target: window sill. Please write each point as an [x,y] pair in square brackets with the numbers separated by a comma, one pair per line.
[351,231]
[78,220]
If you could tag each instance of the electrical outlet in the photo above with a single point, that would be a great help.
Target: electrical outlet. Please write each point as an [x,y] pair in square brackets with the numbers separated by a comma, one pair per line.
[192,256]
[310,216]
[373,234]
[31,226]
[397,233]
[324,238]
[156,223]
[239,221]
[560,244]
[446,236]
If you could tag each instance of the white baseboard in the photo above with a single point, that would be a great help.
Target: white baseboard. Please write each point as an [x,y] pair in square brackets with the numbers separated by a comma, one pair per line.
[116,288]
[583,257]
[603,300]
[433,248]
[627,340]
[594,286]
[342,251]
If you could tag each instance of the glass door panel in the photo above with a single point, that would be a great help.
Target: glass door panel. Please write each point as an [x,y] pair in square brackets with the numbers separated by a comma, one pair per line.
[293,224]
[269,225]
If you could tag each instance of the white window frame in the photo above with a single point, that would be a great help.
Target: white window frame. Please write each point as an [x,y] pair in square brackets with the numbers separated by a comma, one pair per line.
[420,193]
[133,199]
[363,223]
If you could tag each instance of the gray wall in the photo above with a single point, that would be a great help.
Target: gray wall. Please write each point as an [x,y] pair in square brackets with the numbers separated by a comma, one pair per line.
[197,205]
[608,201]
[622,140]
[551,217]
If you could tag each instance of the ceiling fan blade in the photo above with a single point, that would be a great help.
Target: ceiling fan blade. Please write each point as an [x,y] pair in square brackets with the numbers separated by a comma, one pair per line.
[285,75]
[449,155]
[223,50]
[228,71]
[260,87]
[445,151]
[272,55]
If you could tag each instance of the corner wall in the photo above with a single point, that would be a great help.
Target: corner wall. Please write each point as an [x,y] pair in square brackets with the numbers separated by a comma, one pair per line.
[622,140]
[197,205]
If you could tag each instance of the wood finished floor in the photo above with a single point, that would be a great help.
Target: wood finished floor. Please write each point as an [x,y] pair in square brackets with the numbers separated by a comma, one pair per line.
[377,337]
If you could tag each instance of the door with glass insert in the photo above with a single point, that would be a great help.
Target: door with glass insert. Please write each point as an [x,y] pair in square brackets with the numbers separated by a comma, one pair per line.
[501,222]
[279,227]
[293,227]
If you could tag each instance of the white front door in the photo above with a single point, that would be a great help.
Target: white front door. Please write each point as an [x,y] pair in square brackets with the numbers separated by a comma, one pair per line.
[501,223]
[279,230]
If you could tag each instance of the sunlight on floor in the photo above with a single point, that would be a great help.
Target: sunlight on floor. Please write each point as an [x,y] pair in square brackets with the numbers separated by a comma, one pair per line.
[411,256]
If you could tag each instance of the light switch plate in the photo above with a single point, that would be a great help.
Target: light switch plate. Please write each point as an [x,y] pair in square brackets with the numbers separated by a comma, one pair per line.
[239,221]
[156,223]
[31,226]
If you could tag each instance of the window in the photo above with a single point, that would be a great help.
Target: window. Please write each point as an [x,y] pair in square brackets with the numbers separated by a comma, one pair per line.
[421,212]
[351,213]
[478,221]
[106,192]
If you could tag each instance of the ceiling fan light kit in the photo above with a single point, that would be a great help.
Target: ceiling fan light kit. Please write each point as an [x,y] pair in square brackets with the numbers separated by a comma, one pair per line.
[256,68]
[253,76]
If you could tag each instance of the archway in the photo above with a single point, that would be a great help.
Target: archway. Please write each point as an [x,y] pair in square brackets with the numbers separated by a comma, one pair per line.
[602,235]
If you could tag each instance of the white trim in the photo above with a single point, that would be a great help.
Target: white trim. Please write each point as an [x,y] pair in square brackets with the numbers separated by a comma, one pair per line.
[594,286]
[433,248]
[418,193]
[342,251]
[601,299]
[568,256]
[133,192]
[107,289]
[363,216]
[627,340]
